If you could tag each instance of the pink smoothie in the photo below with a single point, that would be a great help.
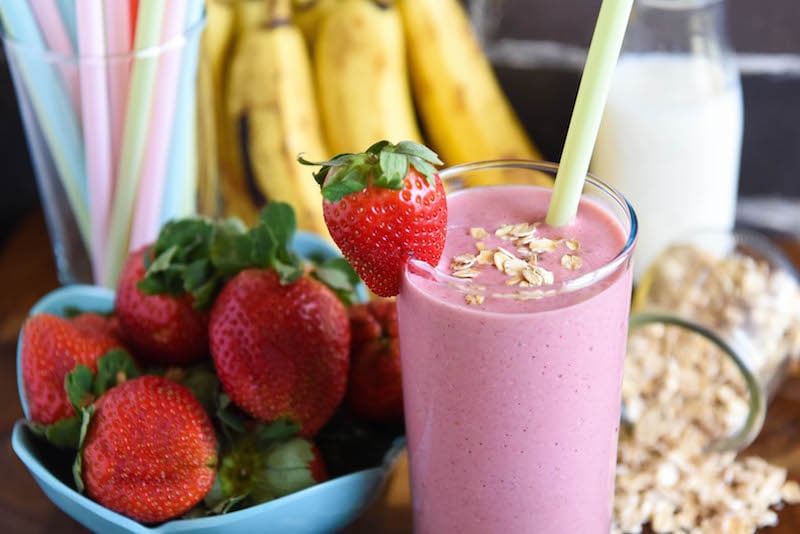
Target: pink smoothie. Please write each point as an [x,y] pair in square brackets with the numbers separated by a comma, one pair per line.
[512,406]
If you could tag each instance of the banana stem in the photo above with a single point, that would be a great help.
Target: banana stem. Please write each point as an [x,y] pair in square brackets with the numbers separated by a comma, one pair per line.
[279,13]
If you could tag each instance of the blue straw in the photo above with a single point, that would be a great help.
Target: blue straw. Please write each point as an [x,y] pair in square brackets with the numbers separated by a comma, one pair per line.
[52,106]
[68,14]
[194,13]
[181,185]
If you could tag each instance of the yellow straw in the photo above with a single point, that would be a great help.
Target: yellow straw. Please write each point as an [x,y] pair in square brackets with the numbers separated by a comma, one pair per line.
[601,60]
[137,117]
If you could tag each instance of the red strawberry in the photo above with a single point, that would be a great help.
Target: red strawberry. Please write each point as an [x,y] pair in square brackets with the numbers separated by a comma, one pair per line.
[383,207]
[99,323]
[51,347]
[150,451]
[281,351]
[316,466]
[374,386]
[164,329]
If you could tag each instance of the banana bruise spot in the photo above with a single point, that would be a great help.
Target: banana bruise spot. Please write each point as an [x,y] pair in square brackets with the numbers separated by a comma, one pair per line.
[279,13]
[243,133]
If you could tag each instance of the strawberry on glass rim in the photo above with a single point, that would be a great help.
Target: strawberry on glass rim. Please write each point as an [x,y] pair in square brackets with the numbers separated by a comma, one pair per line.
[384,207]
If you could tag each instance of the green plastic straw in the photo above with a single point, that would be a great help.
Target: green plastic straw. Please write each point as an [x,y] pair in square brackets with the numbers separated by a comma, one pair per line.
[134,136]
[588,111]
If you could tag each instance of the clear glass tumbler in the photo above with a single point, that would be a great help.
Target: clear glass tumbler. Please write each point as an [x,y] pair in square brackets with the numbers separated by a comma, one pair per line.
[108,101]
[728,304]
[512,352]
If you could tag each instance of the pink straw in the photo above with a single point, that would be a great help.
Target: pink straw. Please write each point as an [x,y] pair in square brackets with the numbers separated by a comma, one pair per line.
[147,214]
[119,41]
[134,11]
[96,126]
[141,95]
[57,38]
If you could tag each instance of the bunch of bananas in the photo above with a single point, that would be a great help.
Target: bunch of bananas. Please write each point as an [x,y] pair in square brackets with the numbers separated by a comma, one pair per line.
[323,77]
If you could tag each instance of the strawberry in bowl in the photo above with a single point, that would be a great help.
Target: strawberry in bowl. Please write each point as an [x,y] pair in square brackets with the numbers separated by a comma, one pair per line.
[374,386]
[52,346]
[274,468]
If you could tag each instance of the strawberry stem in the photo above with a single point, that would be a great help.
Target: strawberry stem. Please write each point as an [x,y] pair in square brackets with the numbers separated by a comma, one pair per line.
[383,164]
[199,256]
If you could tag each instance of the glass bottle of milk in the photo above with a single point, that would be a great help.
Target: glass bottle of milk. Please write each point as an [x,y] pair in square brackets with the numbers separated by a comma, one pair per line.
[671,133]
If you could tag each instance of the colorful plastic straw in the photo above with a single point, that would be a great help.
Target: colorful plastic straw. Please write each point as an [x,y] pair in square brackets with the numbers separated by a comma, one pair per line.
[68,15]
[52,107]
[119,40]
[96,125]
[131,165]
[164,116]
[588,111]
[50,190]
[133,9]
[137,115]
[180,194]
[59,40]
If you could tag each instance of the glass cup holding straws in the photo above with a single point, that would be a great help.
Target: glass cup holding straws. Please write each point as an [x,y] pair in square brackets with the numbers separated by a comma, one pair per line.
[106,90]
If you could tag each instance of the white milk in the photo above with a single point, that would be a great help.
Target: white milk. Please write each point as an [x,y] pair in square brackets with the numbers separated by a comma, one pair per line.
[670,140]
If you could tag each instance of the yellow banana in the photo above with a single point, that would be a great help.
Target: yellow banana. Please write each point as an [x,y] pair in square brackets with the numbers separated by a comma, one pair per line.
[250,14]
[218,34]
[239,196]
[308,14]
[465,114]
[275,107]
[362,76]
[208,185]
[216,151]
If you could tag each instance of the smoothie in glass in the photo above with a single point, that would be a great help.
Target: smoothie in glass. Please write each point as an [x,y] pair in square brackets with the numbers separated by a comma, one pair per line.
[512,352]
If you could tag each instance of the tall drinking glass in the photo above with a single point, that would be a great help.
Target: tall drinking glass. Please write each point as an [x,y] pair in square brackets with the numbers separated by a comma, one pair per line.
[512,351]
[108,101]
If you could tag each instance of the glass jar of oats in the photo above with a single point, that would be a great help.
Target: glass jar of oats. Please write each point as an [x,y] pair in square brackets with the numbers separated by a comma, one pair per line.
[715,325]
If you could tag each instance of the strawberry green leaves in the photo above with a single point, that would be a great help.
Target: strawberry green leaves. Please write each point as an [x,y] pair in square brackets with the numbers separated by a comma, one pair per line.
[79,385]
[63,433]
[339,275]
[395,161]
[180,248]
[83,388]
[197,256]
[113,368]
[85,418]
[278,430]
[257,468]
[384,163]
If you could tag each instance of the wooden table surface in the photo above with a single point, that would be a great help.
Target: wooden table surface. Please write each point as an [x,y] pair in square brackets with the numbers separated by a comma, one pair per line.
[27,272]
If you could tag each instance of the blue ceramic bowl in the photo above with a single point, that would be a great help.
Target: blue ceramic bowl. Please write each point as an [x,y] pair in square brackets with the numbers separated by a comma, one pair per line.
[322,508]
